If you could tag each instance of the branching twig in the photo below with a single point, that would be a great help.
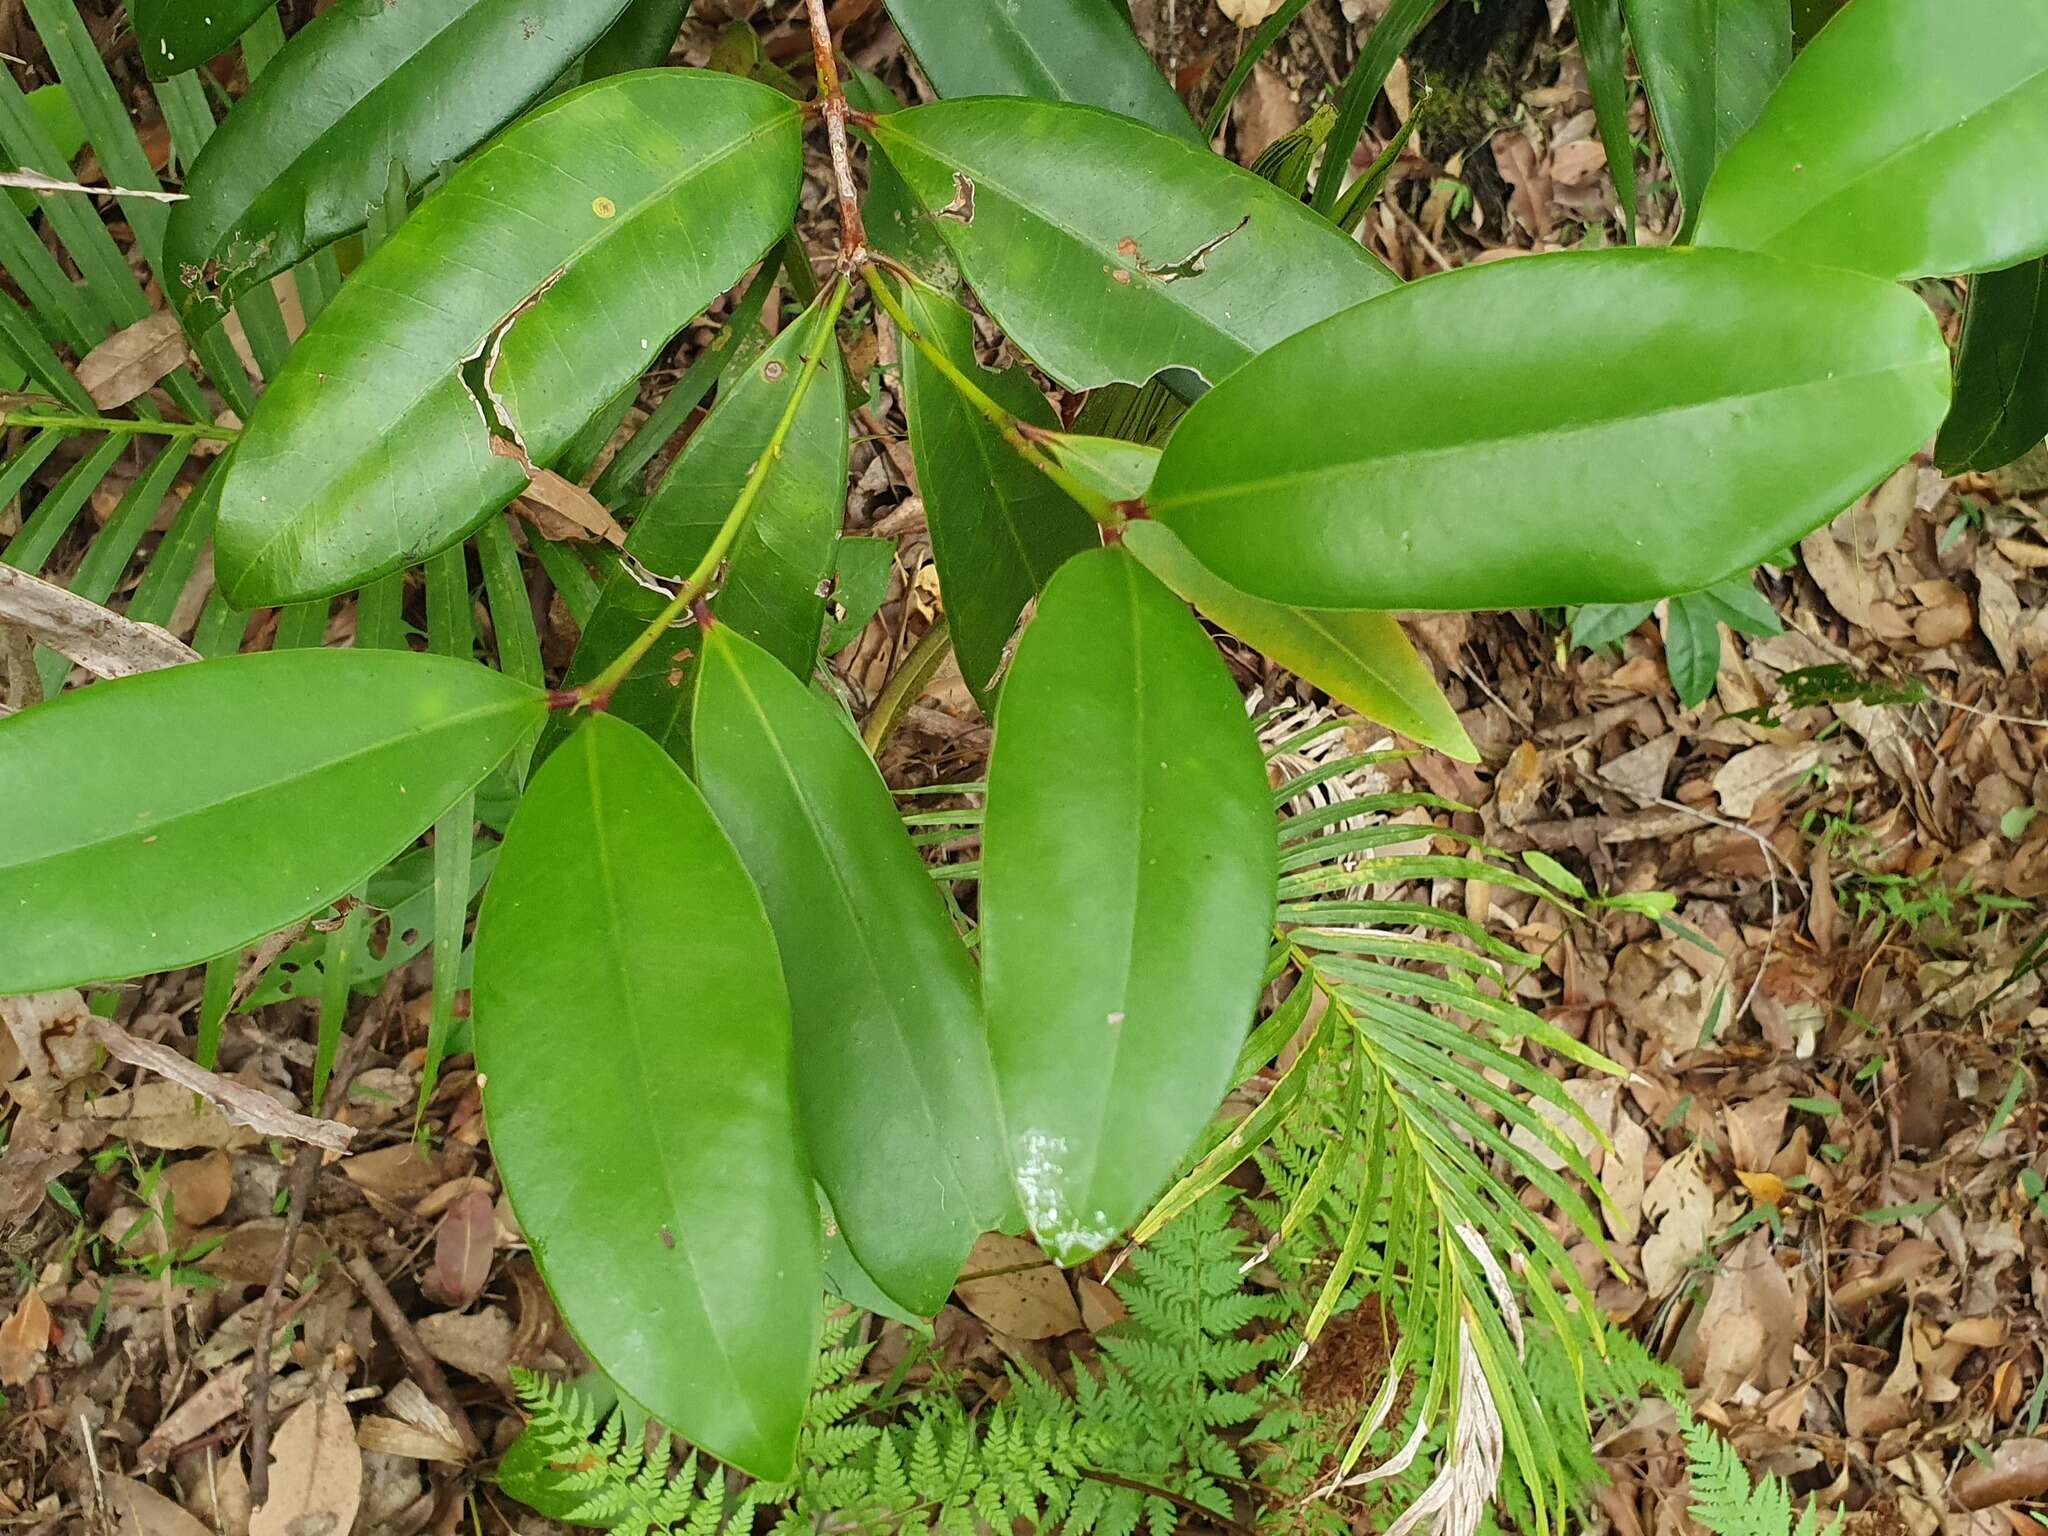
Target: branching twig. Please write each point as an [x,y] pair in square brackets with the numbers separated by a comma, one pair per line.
[853,234]
[598,691]
[1017,434]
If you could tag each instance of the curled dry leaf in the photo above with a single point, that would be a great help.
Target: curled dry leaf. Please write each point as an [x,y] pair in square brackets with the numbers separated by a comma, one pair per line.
[124,366]
[560,508]
[45,1027]
[139,1510]
[1022,1293]
[24,1338]
[98,639]
[316,1473]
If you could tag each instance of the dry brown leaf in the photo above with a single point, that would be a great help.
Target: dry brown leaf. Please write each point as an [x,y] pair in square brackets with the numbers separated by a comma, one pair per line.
[477,1344]
[1681,1205]
[1265,112]
[45,1027]
[2018,1470]
[1578,164]
[200,1187]
[1101,1307]
[35,1155]
[1518,787]
[1909,1256]
[220,1396]
[24,1339]
[1764,1188]
[403,1173]
[1747,777]
[139,1510]
[1750,1323]
[1523,171]
[414,1427]
[560,508]
[124,366]
[1024,1293]
[463,1246]
[96,638]
[316,1473]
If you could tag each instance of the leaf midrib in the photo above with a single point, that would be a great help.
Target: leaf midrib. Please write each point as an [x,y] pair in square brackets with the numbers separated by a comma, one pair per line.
[1349,468]
[156,829]
[629,999]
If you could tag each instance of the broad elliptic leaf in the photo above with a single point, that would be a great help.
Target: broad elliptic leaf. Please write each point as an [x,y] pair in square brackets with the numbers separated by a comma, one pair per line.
[176,35]
[1683,449]
[362,90]
[1128,861]
[782,559]
[1180,260]
[166,818]
[529,270]
[1361,659]
[1057,50]
[633,1032]
[1895,144]
[2001,406]
[892,1068]
[1708,68]
[999,527]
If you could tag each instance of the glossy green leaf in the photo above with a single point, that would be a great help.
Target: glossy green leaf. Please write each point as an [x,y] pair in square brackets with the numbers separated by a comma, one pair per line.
[999,527]
[1605,51]
[1708,68]
[1692,632]
[163,819]
[784,555]
[2001,406]
[1895,145]
[1360,659]
[861,571]
[1683,448]
[634,1033]
[371,451]
[1128,860]
[1056,50]
[892,1067]
[363,92]
[176,35]
[1180,260]
[641,38]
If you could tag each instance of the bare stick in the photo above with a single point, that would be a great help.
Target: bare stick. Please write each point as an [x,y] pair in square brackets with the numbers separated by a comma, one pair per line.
[241,1104]
[423,1367]
[853,233]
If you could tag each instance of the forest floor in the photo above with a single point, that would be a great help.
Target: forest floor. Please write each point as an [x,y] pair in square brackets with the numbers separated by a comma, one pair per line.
[1828,1170]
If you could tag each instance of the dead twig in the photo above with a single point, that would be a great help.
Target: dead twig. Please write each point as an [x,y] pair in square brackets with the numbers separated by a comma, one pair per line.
[423,1367]
[241,1104]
